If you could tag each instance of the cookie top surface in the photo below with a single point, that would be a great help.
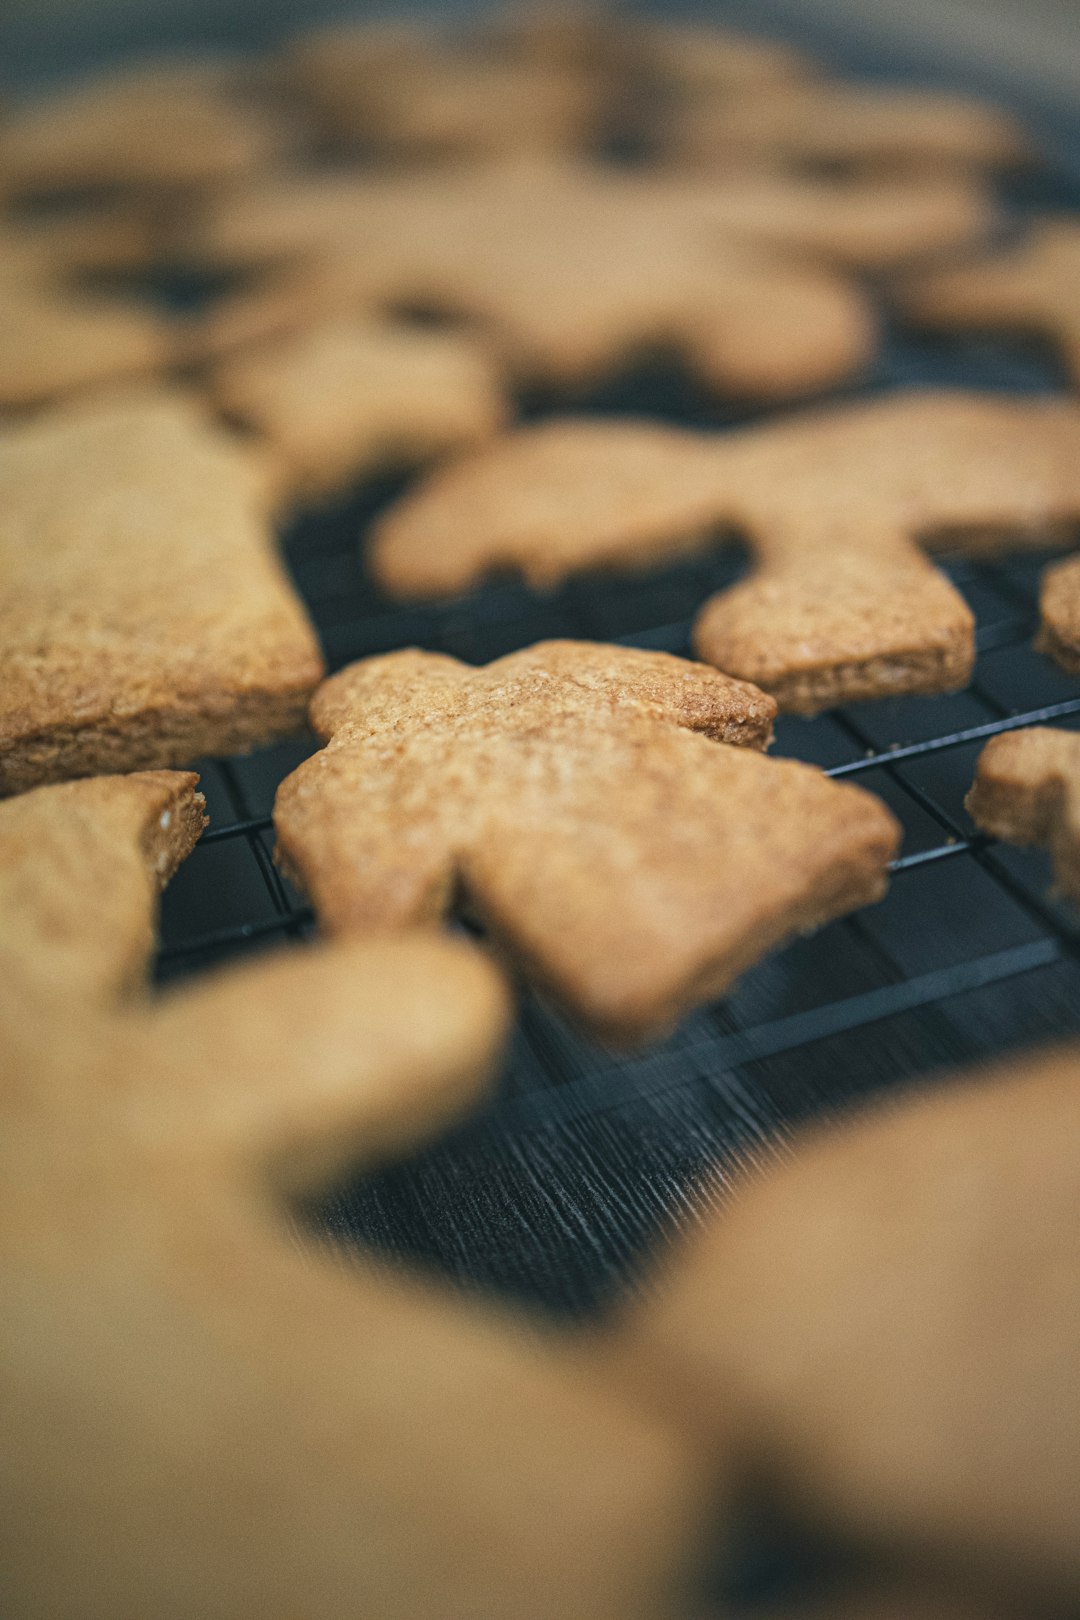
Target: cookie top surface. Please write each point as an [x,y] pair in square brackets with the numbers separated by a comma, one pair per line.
[138,570]
[587,802]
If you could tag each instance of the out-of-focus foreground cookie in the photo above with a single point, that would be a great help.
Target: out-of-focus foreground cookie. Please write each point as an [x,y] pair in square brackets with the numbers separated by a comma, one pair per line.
[884,1326]
[1027,791]
[842,603]
[200,1419]
[843,127]
[145,618]
[586,801]
[1031,287]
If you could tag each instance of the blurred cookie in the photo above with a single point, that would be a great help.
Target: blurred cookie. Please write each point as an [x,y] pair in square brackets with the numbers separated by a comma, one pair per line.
[1027,791]
[841,128]
[145,617]
[696,59]
[204,1416]
[352,397]
[842,603]
[158,123]
[55,342]
[1029,287]
[1059,612]
[570,272]
[883,1328]
[405,90]
[587,803]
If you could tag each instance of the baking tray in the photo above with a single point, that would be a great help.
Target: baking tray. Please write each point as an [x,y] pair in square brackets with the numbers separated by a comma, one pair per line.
[556,1192]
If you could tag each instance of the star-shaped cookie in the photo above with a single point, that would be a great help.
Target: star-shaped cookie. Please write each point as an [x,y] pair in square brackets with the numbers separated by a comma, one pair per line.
[587,803]
[842,603]
[201,1417]
[570,272]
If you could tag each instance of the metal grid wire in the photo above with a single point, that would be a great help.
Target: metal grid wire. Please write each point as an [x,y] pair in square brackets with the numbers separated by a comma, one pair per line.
[557,1191]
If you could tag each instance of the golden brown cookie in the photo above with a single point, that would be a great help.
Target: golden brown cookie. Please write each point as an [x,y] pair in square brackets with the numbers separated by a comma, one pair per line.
[354,396]
[696,59]
[1059,610]
[1027,791]
[202,1417]
[569,271]
[1029,287]
[857,223]
[587,803]
[81,864]
[842,604]
[55,342]
[177,123]
[845,128]
[885,1326]
[405,90]
[144,617]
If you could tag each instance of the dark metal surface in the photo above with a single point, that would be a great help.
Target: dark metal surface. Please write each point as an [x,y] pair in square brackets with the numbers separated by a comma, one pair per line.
[556,1193]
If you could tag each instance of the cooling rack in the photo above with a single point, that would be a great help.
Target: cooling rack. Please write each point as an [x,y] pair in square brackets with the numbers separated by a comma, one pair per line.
[557,1190]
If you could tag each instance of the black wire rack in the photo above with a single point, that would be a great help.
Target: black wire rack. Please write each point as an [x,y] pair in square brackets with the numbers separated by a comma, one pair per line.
[556,1192]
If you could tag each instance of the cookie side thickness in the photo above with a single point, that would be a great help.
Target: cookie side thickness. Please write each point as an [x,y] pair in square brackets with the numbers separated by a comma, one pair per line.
[574,798]
[1027,791]
[81,864]
[147,619]
[939,1233]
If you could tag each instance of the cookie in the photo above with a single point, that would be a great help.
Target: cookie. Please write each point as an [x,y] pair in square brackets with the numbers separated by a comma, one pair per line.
[405,91]
[392,228]
[55,342]
[845,128]
[354,396]
[1029,287]
[1059,612]
[204,1415]
[1027,791]
[158,123]
[842,604]
[885,1327]
[695,59]
[145,618]
[81,864]
[587,802]
[49,247]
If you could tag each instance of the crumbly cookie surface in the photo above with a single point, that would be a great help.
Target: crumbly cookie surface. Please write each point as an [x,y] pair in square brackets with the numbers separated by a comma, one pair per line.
[587,802]
[842,603]
[146,619]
